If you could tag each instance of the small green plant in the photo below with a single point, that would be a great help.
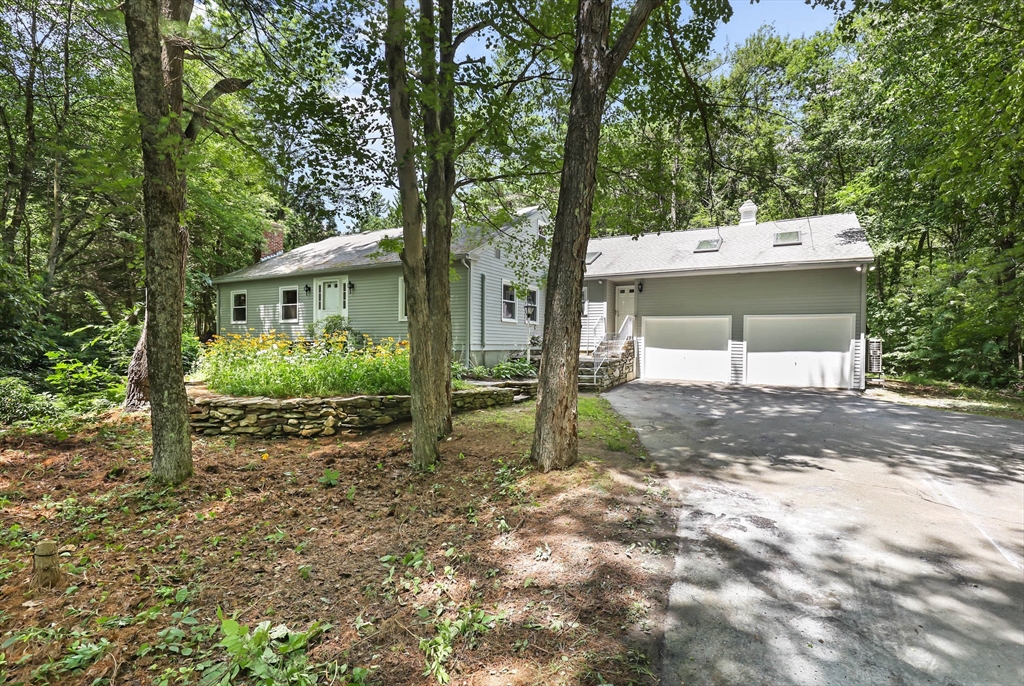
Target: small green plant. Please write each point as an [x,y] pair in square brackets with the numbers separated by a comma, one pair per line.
[513,369]
[470,624]
[305,571]
[330,478]
[268,655]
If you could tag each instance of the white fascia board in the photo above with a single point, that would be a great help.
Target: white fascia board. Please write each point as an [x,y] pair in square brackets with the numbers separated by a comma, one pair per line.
[794,266]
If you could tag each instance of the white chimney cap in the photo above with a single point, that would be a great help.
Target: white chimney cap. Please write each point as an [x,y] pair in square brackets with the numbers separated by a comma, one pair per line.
[748,213]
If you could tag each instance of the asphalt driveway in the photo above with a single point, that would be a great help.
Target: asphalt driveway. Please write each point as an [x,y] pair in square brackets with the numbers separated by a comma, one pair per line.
[827,538]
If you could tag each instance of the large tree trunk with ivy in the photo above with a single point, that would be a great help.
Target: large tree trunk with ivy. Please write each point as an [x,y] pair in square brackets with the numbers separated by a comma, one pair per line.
[555,440]
[157,73]
[426,264]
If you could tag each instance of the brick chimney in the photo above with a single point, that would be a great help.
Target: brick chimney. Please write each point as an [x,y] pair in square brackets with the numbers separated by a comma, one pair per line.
[272,243]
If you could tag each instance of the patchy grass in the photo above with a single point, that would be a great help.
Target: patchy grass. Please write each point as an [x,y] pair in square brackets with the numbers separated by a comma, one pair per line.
[332,561]
[946,395]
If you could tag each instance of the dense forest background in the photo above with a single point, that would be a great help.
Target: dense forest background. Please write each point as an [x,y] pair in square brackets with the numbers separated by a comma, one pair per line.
[908,114]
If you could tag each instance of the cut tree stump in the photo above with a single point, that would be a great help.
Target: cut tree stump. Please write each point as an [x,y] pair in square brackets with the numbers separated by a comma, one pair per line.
[45,566]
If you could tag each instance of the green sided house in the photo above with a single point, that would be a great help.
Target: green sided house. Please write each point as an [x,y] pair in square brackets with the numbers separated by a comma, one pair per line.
[778,303]
[349,275]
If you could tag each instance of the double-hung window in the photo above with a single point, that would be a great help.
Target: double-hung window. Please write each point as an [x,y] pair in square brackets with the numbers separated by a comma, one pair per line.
[583,302]
[508,302]
[532,310]
[239,312]
[289,304]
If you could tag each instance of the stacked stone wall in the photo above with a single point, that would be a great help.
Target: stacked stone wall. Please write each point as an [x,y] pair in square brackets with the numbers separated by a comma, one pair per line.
[308,417]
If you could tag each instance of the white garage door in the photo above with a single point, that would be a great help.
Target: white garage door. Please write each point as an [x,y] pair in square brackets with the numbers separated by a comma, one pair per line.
[686,348]
[810,350]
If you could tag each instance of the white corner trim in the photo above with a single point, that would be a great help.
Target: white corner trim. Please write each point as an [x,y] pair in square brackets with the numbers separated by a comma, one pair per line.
[402,307]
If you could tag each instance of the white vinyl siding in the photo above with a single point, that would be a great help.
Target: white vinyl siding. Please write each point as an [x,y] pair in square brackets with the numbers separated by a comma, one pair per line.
[288,305]
[239,307]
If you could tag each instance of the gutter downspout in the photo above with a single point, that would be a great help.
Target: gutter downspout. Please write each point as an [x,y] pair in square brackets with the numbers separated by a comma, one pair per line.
[466,352]
[864,325]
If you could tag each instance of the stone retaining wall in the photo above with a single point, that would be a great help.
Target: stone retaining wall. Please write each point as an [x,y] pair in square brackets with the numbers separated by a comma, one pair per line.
[307,417]
[612,372]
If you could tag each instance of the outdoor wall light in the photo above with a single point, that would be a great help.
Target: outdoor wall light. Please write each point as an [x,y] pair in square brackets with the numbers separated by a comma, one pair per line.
[640,287]
[308,289]
[351,287]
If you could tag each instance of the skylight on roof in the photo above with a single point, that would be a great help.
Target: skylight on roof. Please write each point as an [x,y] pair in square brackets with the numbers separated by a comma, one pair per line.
[709,245]
[788,238]
[592,257]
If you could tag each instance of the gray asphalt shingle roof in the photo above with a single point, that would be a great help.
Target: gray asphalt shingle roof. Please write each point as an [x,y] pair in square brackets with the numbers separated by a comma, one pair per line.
[339,252]
[829,238]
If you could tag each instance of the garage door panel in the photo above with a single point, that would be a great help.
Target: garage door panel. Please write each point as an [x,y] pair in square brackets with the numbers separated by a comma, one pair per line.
[687,348]
[812,334]
[800,351]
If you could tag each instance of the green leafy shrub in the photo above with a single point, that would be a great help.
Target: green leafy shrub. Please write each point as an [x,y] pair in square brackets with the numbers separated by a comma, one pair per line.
[459,370]
[513,369]
[22,338]
[191,349]
[18,402]
[273,365]
[75,379]
[334,326]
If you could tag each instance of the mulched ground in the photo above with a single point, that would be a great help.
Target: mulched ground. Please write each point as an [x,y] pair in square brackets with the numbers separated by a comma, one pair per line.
[576,562]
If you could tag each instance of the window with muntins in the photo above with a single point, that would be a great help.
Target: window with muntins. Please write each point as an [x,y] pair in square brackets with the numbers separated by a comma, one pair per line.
[508,302]
[289,304]
[531,306]
[238,309]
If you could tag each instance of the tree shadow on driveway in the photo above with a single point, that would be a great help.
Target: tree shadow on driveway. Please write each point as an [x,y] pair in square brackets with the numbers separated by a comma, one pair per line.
[827,538]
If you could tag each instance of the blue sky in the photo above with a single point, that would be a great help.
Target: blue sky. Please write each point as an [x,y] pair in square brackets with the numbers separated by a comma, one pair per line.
[790,17]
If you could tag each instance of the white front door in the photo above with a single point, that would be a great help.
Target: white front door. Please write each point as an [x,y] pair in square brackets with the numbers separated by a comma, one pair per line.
[331,297]
[800,350]
[625,303]
[687,348]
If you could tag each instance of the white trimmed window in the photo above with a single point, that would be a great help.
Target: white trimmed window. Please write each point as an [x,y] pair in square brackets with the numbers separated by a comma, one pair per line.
[289,307]
[403,308]
[583,301]
[239,311]
[508,302]
[532,309]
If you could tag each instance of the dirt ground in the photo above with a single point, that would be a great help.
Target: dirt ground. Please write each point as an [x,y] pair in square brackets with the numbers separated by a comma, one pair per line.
[1007,403]
[567,572]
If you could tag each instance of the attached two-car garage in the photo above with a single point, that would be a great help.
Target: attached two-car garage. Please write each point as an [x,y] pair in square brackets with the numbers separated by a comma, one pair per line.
[780,350]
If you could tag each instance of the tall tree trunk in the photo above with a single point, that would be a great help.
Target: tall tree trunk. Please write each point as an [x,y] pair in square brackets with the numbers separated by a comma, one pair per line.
[11,177]
[425,266]
[555,439]
[10,232]
[156,72]
[55,238]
